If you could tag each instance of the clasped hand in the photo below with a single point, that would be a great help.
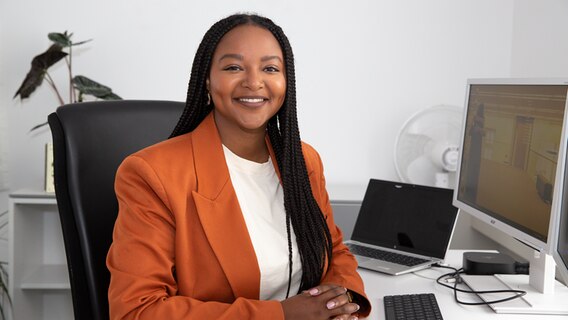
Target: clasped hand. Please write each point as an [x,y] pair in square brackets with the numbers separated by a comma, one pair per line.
[324,302]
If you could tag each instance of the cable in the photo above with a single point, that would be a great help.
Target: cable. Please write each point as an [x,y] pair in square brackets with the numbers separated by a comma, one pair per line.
[457,279]
[433,277]
[422,276]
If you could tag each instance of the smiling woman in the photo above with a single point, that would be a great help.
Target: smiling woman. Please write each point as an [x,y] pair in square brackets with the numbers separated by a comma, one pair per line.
[230,218]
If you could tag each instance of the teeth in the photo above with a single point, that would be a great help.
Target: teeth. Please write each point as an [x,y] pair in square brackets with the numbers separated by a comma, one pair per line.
[251,100]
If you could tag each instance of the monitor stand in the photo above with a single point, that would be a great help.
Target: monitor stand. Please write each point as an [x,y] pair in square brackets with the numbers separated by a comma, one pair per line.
[544,295]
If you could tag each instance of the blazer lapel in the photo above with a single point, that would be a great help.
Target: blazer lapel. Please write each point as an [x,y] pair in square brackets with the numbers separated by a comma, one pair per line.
[220,214]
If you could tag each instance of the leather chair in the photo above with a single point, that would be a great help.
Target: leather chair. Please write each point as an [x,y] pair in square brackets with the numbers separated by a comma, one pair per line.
[90,140]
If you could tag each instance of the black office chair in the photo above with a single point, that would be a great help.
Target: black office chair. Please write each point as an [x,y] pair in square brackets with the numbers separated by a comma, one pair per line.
[90,140]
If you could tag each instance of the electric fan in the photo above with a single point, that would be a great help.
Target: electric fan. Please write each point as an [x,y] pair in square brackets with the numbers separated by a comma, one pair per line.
[426,148]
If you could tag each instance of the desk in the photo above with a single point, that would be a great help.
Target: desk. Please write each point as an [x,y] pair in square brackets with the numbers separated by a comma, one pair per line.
[378,285]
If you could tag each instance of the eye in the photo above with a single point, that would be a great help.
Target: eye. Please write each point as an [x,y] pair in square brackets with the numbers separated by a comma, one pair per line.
[272,69]
[232,67]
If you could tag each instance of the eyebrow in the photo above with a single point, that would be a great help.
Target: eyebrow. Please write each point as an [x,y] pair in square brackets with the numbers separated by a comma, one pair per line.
[231,55]
[266,58]
[240,57]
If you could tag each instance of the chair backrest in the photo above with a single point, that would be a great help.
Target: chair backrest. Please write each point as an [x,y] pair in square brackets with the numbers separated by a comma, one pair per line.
[90,140]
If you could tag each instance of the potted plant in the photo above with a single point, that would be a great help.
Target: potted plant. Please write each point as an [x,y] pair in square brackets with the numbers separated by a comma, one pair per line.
[79,86]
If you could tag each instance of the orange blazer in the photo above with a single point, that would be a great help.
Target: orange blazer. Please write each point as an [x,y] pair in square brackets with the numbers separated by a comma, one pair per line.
[181,249]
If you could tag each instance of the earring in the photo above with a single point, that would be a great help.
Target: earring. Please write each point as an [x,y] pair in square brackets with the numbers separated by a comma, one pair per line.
[208,98]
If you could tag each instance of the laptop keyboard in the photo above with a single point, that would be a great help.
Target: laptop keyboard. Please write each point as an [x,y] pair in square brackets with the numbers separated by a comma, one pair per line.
[385,255]
[422,306]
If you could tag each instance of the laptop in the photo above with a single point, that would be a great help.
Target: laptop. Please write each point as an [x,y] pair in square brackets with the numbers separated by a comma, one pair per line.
[402,227]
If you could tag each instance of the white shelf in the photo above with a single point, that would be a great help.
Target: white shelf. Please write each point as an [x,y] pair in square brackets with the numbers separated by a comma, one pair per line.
[33,197]
[38,277]
[47,277]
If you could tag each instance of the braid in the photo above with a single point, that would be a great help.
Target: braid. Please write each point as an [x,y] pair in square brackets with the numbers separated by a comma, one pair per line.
[302,211]
[312,233]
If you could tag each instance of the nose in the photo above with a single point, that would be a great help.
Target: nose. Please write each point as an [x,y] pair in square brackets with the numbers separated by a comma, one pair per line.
[253,80]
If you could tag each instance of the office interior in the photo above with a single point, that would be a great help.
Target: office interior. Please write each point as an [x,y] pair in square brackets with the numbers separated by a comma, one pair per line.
[363,68]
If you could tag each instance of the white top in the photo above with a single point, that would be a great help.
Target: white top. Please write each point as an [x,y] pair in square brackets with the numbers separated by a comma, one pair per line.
[261,199]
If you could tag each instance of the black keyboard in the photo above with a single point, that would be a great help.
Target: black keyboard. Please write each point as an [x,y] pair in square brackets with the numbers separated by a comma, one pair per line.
[422,306]
[385,255]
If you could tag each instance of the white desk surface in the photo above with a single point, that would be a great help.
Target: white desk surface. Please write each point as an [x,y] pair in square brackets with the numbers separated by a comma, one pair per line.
[378,285]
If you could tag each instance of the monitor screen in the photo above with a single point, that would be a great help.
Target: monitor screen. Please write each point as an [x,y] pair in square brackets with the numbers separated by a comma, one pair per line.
[509,154]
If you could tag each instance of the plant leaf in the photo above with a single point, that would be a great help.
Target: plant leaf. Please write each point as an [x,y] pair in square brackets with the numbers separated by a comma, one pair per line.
[33,79]
[40,64]
[88,86]
[38,126]
[91,87]
[53,54]
[62,39]
[111,96]
[81,42]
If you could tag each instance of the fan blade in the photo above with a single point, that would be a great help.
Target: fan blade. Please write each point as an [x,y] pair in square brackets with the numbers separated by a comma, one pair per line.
[422,171]
[408,148]
[440,123]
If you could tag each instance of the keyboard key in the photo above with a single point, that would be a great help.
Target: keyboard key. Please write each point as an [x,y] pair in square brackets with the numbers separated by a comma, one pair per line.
[422,306]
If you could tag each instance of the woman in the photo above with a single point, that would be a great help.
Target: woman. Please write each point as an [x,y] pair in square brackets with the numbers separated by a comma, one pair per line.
[229,218]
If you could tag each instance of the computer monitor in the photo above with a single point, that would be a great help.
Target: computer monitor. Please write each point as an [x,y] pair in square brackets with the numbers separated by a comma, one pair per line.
[511,166]
[559,245]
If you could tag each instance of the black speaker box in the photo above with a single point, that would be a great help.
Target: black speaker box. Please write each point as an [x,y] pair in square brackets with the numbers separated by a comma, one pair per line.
[487,263]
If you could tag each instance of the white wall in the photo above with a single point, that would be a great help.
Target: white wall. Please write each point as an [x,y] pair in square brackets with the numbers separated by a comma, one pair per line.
[363,67]
[540,39]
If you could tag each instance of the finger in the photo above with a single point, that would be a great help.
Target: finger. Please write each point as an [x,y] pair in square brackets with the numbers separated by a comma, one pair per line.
[348,308]
[338,297]
[315,291]
[345,317]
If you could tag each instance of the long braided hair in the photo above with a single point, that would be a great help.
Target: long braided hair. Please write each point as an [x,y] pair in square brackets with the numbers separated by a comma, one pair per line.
[302,211]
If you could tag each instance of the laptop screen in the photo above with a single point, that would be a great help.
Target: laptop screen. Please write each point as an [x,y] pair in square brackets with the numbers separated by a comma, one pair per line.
[407,217]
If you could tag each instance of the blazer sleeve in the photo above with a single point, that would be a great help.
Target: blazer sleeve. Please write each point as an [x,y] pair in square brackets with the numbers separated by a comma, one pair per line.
[142,263]
[343,268]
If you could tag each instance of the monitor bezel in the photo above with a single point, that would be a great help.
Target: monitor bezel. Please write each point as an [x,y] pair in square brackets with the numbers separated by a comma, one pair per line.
[493,221]
[562,212]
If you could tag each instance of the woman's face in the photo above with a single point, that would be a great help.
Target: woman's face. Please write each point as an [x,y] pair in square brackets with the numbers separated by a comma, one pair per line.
[247,81]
